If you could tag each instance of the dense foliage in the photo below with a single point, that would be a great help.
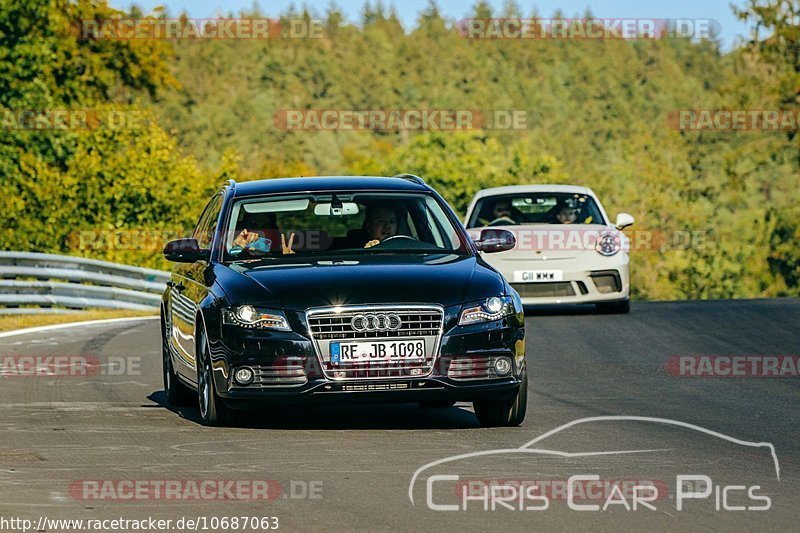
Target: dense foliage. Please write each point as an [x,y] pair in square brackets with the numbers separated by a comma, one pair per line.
[725,205]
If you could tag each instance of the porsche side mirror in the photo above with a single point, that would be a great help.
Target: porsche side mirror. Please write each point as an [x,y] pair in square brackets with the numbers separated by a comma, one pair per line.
[623,221]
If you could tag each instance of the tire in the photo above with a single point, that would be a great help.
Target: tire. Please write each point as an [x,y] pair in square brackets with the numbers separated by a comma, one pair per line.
[616,308]
[176,392]
[504,413]
[437,404]
[213,411]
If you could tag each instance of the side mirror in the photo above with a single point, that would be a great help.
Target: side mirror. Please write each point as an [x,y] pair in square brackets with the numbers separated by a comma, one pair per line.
[623,221]
[184,251]
[496,240]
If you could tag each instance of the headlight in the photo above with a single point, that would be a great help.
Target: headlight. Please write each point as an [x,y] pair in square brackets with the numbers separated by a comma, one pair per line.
[608,243]
[248,316]
[492,309]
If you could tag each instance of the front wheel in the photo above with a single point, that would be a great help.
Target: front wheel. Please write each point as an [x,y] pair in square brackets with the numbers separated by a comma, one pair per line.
[213,411]
[504,413]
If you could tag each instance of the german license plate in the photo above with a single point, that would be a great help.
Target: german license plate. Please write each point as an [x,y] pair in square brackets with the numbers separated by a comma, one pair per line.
[411,350]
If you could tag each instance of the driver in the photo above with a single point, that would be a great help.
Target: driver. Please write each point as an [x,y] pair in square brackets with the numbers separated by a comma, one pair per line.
[502,209]
[502,214]
[380,223]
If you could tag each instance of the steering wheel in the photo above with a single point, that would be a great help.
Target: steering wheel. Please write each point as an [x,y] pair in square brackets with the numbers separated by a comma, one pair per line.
[400,242]
[387,239]
[503,221]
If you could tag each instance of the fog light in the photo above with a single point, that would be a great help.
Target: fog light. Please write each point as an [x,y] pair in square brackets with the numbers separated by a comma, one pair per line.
[502,366]
[244,376]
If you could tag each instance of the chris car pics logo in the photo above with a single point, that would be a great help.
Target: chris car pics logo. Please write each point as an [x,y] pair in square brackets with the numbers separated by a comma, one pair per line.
[587,491]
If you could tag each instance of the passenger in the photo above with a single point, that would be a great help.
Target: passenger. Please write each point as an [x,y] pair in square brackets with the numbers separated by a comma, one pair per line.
[566,214]
[260,234]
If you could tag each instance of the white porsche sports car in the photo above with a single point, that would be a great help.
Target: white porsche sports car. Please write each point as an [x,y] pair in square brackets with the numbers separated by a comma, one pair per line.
[567,251]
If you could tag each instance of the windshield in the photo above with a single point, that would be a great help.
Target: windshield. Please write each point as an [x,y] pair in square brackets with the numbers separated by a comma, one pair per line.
[535,208]
[338,224]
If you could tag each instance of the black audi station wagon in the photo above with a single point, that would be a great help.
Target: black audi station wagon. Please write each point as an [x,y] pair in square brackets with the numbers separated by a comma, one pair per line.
[340,289]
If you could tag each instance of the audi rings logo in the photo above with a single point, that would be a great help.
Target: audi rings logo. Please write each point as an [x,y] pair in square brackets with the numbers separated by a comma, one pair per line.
[381,322]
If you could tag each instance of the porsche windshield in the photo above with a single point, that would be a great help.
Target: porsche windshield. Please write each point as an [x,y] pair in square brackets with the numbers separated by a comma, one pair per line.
[334,224]
[535,208]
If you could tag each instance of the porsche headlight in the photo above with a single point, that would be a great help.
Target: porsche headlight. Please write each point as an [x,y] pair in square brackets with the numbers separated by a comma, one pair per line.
[608,243]
[490,310]
[247,316]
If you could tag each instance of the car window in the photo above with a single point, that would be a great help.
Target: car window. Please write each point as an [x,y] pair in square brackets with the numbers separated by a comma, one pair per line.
[535,208]
[431,221]
[207,224]
[202,221]
[339,223]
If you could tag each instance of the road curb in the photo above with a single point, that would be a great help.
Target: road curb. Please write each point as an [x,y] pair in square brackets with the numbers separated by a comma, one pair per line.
[37,329]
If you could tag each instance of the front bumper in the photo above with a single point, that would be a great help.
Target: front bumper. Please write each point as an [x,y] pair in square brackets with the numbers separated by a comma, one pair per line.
[458,372]
[598,280]
[376,391]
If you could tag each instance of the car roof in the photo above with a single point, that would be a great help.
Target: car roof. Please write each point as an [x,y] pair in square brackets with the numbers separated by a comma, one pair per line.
[327,183]
[517,189]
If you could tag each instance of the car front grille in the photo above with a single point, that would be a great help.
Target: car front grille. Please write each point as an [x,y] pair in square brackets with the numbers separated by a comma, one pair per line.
[542,290]
[607,281]
[290,374]
[471,368]
[336,325]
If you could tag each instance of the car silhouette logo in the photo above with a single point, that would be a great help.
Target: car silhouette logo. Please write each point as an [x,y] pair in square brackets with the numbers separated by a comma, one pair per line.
[532,446]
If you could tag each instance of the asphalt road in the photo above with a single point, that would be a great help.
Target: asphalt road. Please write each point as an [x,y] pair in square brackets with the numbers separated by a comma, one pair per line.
[68,441]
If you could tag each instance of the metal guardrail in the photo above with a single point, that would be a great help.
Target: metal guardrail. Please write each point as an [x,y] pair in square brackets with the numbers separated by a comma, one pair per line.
[57,283]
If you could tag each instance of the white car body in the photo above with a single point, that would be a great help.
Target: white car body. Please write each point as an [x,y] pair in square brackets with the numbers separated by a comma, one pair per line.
[559,263]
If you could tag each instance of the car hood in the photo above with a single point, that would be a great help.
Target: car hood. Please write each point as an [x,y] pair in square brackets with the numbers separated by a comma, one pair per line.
[377,279]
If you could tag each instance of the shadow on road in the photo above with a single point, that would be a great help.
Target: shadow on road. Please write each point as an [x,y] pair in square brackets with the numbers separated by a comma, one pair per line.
[362,417]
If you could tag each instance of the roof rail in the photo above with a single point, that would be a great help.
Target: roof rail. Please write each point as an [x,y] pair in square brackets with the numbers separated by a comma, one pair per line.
[410,177]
